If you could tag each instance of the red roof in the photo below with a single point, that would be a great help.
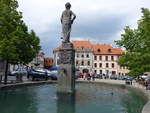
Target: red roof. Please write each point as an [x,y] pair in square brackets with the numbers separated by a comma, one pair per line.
[98,49]
[82,45]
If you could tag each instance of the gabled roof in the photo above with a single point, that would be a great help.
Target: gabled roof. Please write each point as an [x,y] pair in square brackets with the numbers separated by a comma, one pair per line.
[82,45]
[98,49]
[106,49]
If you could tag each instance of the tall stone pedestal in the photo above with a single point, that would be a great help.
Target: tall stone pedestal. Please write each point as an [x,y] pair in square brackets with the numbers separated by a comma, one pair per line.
[66,72]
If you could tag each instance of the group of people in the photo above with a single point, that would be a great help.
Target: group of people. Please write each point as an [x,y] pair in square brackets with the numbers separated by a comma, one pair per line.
[88,76]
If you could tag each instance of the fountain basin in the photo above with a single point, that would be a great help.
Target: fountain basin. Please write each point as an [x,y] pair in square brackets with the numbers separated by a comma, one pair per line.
[89,98]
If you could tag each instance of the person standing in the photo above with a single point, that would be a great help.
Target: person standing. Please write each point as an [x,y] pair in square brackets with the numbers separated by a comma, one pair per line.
[93,76]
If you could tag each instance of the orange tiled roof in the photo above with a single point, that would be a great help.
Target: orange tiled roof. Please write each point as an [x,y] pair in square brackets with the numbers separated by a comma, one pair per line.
[82,45]
[98,49]
[107,49]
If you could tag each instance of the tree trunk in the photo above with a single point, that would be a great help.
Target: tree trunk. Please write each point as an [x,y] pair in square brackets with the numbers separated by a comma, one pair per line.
[6,73]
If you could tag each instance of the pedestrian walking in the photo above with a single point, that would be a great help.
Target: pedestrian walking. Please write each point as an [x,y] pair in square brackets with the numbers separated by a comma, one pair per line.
[88,76]
[84,76]
[93,76]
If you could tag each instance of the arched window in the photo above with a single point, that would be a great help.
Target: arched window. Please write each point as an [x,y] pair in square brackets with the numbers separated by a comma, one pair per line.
[82,63]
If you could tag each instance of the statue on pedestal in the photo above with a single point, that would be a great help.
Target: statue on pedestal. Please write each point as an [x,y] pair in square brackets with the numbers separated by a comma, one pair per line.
[66,71]
[67,19]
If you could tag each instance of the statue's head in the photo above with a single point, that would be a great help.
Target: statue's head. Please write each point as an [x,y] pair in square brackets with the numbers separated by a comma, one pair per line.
[68,5]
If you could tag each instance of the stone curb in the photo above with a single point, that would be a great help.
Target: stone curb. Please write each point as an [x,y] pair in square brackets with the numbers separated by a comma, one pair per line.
[26,84]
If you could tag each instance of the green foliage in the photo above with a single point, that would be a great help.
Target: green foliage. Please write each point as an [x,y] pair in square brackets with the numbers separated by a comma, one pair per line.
[17,44]
[137,44]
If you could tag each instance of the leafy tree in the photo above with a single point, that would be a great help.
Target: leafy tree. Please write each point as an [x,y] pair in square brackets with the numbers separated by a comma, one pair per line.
[17,44]
[137,44]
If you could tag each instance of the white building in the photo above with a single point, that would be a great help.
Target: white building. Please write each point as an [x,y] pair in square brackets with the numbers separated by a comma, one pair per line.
[98,58]
[38,61]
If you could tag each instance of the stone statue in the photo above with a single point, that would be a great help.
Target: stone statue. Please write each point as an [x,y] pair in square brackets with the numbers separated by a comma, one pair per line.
[66,71]
[67,19]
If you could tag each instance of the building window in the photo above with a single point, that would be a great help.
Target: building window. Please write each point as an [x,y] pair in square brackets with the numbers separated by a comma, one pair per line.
[100,57]
[88,63]
[95,71]
[82,55]
[77,62]
[107,65]
[106,58]
[113,65]
[100,64]
[82,63]
[100,71]
[95,64]
[112,58]
[98,50]
[113,72]
[109,50]
[87,55]
[95,57]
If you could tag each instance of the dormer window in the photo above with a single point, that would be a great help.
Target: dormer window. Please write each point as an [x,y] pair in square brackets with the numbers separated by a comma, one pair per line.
[98,50]
[109,50]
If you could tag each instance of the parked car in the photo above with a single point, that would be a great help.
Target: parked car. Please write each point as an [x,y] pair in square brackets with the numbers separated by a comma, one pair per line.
[19,71]
[42,74]
[115,77]
[99,76]
[129,78]
[52,74]
[121,77]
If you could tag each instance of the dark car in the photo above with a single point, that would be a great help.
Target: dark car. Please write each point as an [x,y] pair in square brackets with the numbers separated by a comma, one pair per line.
[99,76]
[41,74]
[115,77]
[129,78]
[19,71]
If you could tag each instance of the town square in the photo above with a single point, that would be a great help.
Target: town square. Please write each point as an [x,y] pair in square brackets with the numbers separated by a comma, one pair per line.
[73,56]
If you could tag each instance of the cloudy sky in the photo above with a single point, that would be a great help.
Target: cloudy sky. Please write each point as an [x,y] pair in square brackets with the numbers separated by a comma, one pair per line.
[100,21]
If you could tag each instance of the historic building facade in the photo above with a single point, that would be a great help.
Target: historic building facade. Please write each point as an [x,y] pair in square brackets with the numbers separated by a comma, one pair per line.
[98,58]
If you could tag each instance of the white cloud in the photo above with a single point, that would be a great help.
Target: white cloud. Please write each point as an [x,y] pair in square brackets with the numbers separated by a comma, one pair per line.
[44,15]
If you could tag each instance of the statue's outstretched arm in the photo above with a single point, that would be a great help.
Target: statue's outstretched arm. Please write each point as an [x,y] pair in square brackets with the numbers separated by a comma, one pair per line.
[74,17]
